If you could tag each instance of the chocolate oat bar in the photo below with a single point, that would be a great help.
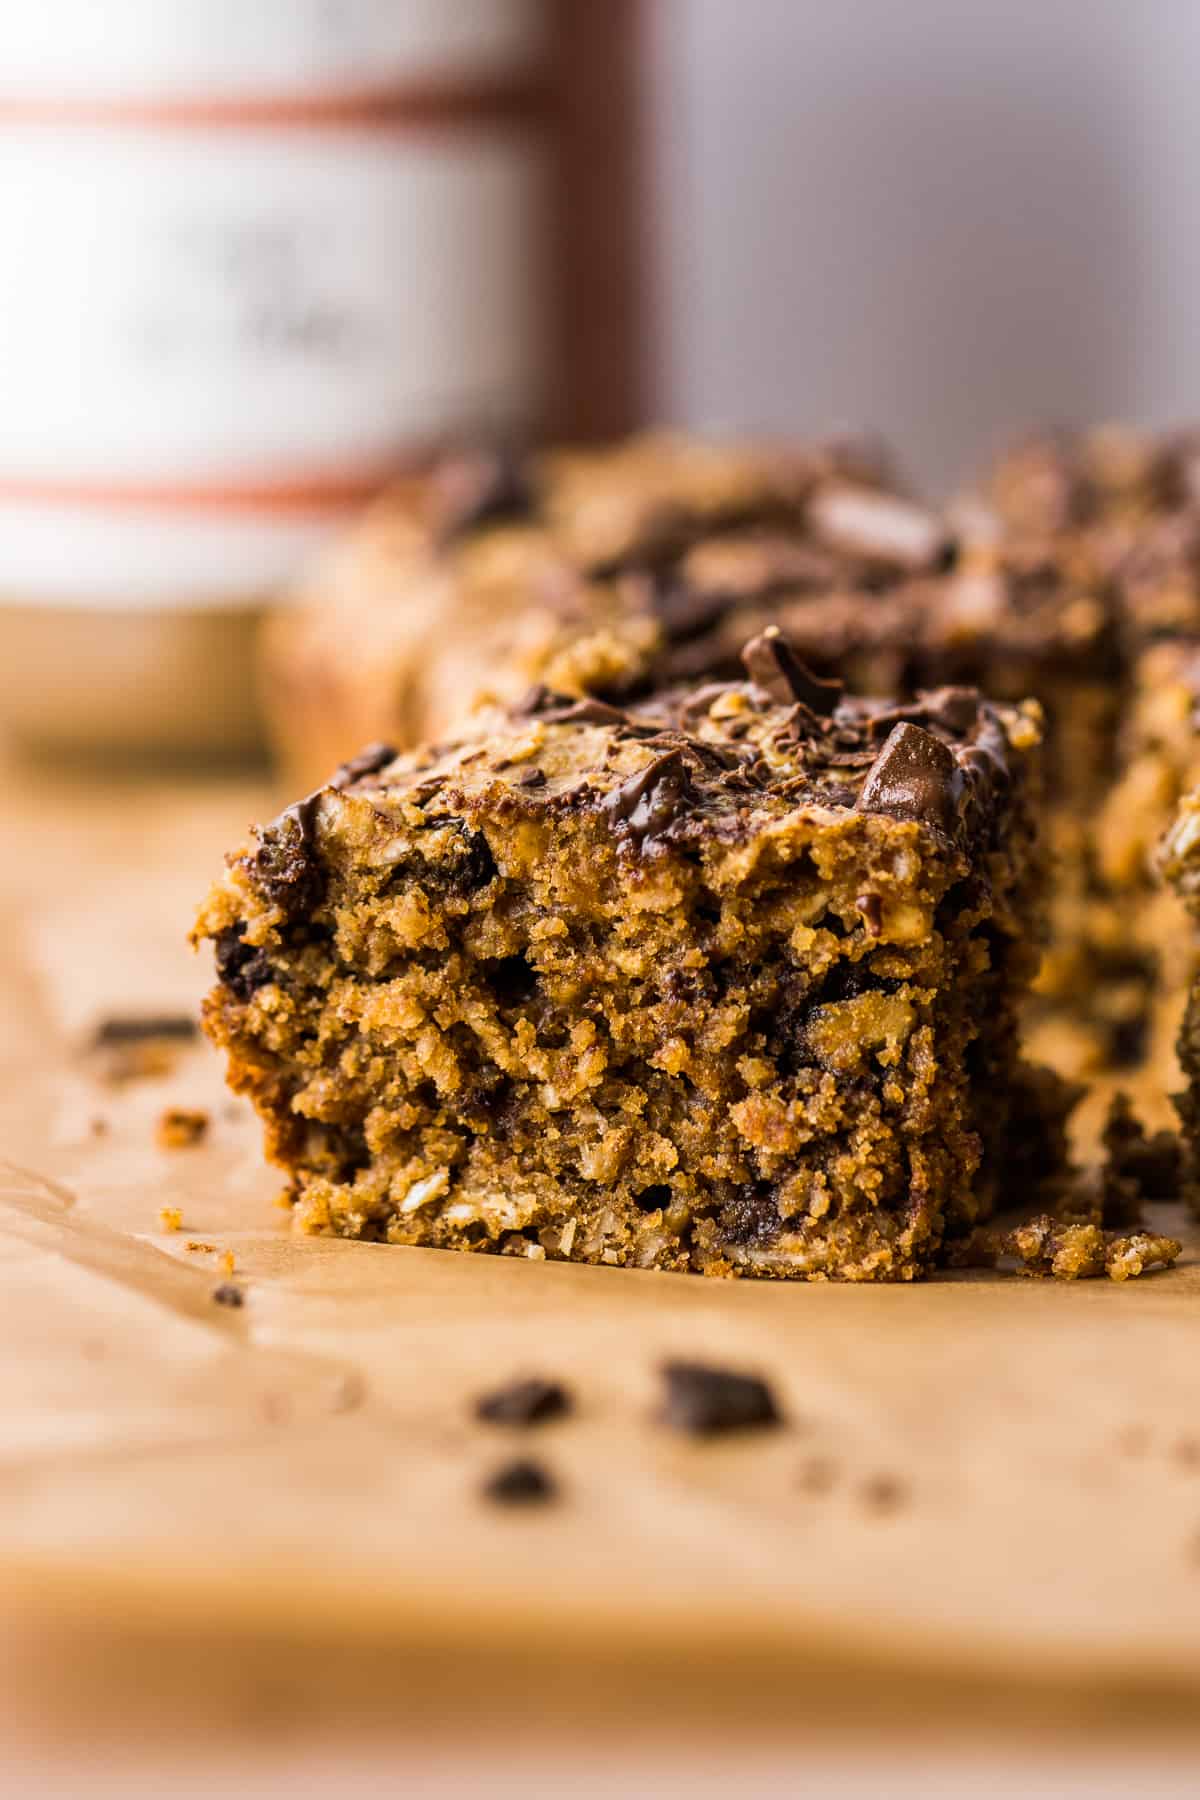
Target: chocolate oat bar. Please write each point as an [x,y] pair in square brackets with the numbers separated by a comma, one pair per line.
[627,569]
[497,569]
[1121,509]
[724,980]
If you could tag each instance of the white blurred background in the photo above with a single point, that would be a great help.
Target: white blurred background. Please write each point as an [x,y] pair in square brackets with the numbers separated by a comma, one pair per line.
[944,219]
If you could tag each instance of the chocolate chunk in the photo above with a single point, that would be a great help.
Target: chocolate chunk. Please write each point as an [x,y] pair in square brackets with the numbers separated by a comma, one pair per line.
[484,487]
[751,1217]
[228,1295]
[520,1483]
[526,1402]
[564,709]
[136,1029]
[871,908]
[773,665]
[531,778]
[242,967]
[880,528]
[285,867]
[914,777]
[367,762]
[705,1401]
[477,866]
[646,805]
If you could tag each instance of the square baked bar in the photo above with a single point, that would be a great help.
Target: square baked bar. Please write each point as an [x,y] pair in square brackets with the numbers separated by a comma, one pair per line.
[725,982]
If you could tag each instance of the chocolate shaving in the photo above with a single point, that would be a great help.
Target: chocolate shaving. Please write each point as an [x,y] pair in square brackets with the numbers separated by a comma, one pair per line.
[368,762]
[914,777]
[565,709]
[773,665]
[954,709]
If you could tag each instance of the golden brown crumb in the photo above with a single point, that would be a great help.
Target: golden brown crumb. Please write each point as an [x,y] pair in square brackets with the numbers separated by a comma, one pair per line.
[170,1218]
[1067,1251]
[202,1248]
[228,1262]
[180,1126]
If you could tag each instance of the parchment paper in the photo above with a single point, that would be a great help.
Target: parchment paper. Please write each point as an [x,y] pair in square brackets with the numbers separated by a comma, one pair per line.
[980,1478]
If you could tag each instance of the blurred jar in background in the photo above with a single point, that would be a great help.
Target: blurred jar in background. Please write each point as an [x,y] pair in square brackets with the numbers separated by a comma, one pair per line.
[253,255]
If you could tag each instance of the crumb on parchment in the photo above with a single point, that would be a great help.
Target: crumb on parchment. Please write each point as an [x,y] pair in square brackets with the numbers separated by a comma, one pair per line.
[179,1127]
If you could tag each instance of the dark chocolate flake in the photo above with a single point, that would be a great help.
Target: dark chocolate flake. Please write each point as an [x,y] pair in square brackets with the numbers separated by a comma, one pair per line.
[526,1402]
[773,665]
[567,709]
[136,1029]
[914,777]
[705,1401]
[242,967]
[368,762]
[228,1295]
[520,1483]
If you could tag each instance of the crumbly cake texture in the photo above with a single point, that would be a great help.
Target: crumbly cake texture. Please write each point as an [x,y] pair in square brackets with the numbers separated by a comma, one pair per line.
[1122,509]
[726,981]
[623,570]
[1180,862]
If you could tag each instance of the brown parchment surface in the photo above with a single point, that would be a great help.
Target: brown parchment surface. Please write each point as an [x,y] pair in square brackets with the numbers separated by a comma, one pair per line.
[303,1473]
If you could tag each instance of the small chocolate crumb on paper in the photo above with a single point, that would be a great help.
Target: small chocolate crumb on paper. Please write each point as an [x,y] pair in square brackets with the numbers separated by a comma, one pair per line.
[706,1401]
[136,1029]
[228,1294]
[179,1127]
[520,1483]
[526,1402]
